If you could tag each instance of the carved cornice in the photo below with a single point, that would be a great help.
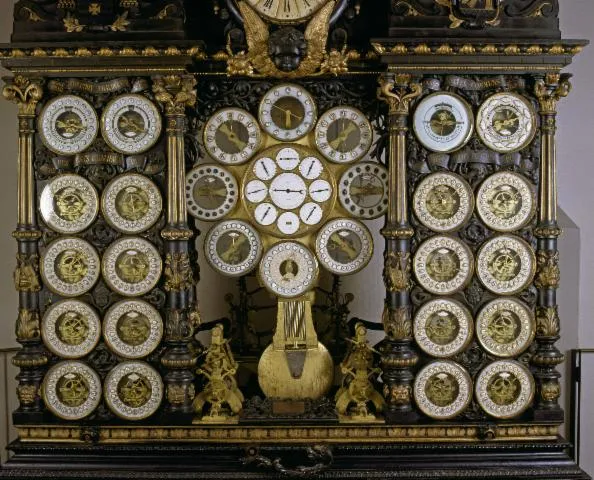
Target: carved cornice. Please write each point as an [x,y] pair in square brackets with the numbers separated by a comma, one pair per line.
[25,92]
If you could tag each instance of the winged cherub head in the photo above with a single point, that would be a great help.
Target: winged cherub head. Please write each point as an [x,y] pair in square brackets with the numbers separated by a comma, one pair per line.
[287,47]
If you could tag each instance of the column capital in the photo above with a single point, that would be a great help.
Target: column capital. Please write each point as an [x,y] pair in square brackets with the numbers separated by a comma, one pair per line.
[398,91]
[550,89]
[25,92]
[175,92]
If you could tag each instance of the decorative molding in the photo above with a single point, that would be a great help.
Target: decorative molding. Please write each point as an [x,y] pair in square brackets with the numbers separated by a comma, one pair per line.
[178,272]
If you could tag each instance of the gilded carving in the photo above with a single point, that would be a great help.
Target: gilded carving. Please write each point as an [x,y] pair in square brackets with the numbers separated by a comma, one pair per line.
[176,394]
[221,390]
[173,234]
[547,274]
[397,322]
[550,391]
[552,231]
[120,24]
[550,90]
[257,61]
[178,325]
[398,394]
[27,325]
[27,394]
[72,24]
[547,321]
[175,92]
[178,272]
[25,92]
[357,384]
[398,93]
[397,266]
[26,274]
[473,13]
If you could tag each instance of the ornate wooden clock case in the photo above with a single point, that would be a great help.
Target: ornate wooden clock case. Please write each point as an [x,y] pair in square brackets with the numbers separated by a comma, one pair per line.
[272,131]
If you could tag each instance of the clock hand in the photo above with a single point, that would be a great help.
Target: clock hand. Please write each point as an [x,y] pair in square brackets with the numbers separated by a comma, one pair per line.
[321,190]
[264,167]
[311,212]
[256,191]
[367,190]
[265,214]
[228,254]
[310,167]
[343,136]
[232,137]
[287,190]
[344,245]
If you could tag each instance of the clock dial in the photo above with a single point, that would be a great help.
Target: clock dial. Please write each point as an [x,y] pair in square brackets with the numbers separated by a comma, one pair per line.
[211,192]
[443,122]
[232,136]
[233,247]
[295,196]
[287,112]
[363,190]
[288,269]
[343,135]
[287,11]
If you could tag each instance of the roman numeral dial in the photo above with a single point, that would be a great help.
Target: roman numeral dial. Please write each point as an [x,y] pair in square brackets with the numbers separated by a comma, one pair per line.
[287,11]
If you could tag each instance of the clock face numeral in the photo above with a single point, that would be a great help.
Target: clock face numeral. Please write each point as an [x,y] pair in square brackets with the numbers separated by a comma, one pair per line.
[343,135]
[287,112]
[288,190]
[287,11]
[232,136]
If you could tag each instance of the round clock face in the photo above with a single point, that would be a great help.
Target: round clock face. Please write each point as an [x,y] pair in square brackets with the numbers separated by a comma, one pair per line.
[505,327]
[211,192]
[232,136]
[70,266]
[343,135]
[506,264]
[443,327]
[287,112]
[504,389]
[131,203]
[506,122]
[69,203]
[233,248]
[443,122]
[68,125]
[287,11]
[288,269]
[443,389]
[505,201]
[131,124]
[71,390]
[70,329]
[287,190]
[363,190]
[443,265]
[344,246]
[443,202]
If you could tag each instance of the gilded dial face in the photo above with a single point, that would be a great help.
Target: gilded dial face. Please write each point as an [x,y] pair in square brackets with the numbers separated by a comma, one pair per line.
[288,190]
[287,11]
[232,136]
[287,112]
[363,190]
[343,135]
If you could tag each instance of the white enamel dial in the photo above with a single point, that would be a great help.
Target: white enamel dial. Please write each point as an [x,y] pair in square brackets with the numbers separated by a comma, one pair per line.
[320,191]
[232,136]
[287,112]
[265,214]
[265,168]
[288,223]
[288,190]
[310,168]
[343,135]
[287,11]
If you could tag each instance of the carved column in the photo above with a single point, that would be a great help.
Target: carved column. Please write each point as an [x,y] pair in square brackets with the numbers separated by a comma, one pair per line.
[548,91]
[32,358]
[399,355]
[175,93]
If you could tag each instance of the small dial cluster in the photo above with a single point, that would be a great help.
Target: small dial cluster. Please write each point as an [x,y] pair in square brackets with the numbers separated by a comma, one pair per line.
[444,264]
[286,170]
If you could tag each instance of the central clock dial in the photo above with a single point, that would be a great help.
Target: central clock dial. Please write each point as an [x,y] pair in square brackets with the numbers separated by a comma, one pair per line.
[287,11]
[288,191]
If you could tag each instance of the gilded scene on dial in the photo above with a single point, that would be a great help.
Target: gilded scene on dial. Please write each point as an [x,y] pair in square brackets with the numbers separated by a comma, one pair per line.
[233,247]
[344,246]
[442,389]
[69,124]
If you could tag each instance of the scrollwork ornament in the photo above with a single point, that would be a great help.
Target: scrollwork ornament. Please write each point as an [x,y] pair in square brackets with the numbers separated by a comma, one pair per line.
[175,92]
[488,15]
[25,92]
[178,272]
[397,267]
[548,274]
[26,274]
[398,92]
[27,325]
[550,90]
[547,322]
[397,323]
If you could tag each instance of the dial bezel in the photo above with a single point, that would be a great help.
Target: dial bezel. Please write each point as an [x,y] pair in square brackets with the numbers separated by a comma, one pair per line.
[361,122]
[301,95]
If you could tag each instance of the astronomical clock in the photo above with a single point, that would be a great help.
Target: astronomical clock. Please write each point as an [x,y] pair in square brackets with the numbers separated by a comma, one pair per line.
[364,188]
